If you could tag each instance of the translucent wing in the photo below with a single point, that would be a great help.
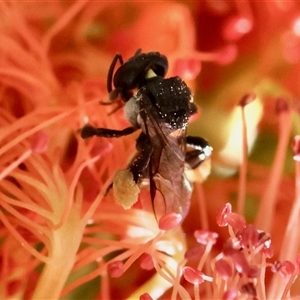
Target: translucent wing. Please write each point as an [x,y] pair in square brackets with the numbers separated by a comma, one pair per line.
[169,190]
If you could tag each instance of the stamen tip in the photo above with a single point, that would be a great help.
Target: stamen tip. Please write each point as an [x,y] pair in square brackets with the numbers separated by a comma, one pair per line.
[246,99]
[281,105]
[296,148]
[116,269]
[39,142]
[193,275]
[169,221]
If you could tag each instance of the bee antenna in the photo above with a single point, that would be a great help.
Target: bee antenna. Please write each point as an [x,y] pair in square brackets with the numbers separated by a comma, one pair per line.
[138,51]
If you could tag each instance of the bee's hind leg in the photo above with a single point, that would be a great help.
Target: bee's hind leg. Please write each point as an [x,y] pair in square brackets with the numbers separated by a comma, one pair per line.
[126,182]
[141,160]
[201,150]
[197,158]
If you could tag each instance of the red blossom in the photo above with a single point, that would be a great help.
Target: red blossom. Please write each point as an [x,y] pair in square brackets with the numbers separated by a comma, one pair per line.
[60,219]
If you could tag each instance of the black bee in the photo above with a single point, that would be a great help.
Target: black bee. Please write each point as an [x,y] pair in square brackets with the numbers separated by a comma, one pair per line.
[161,108]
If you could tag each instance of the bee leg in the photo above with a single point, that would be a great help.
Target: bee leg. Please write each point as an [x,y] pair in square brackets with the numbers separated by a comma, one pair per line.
[88,131]
[125,182]
[197,159]
[141,161]
[202,151]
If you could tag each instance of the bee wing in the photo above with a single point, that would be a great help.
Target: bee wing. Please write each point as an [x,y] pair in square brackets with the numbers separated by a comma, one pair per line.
[168,159]
[169,139]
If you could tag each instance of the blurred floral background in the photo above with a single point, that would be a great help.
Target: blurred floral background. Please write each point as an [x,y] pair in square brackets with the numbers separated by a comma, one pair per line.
[63,238]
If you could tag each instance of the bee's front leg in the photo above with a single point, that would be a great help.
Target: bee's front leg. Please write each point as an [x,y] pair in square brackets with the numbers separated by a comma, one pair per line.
[88,131]
[197,158]
[126,182]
